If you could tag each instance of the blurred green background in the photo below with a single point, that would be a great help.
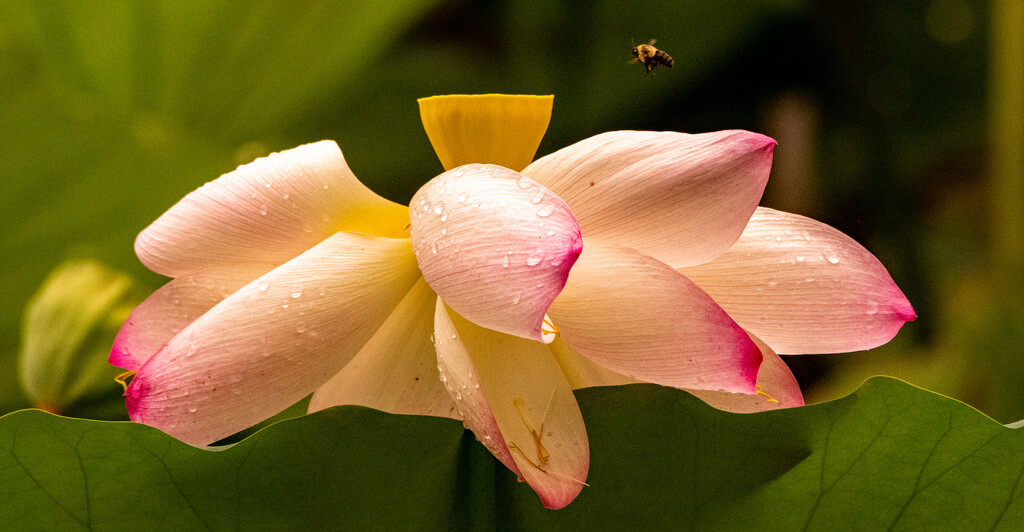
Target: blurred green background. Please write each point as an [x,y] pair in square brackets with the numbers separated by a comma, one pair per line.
[899,122]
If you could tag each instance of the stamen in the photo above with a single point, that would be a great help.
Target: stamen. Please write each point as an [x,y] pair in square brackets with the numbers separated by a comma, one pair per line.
[542,453]
[761,392]
[122,378]
[554,330]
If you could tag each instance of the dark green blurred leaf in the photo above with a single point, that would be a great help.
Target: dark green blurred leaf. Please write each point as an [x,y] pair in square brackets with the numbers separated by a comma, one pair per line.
[889,456]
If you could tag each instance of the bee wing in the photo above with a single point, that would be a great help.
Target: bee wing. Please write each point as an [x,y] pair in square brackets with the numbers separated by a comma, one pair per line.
[653,41]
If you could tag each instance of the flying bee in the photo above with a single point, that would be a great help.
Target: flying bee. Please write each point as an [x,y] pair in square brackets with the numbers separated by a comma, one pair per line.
[651,56]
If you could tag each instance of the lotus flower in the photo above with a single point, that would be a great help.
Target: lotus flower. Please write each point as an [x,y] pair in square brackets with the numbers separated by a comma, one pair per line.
[629,256]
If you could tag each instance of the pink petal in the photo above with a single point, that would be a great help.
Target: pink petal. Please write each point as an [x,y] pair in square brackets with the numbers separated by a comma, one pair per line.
[637,316]
[267,211]
[168,310]
[496,246]
[514,397]
[682,199]
[804,287]
[273,341]
[777,388]
[396,371]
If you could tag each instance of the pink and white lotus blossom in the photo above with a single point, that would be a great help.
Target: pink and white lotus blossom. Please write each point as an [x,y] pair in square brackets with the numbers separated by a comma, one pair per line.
[629,256]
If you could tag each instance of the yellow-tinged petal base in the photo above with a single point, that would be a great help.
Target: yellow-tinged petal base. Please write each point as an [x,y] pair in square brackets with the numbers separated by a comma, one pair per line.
[500,129]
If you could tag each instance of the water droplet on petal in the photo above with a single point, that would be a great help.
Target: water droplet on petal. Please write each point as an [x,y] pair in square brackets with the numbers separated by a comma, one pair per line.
[546,211]
[263,210]
[439,208]
[505,261]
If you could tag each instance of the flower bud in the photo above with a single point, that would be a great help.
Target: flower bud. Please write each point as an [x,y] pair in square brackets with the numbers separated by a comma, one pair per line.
[67,331]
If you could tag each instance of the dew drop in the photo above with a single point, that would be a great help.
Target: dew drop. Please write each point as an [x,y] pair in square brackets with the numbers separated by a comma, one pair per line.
[524,182]
[806,235]
[515,300]
[284,196]
[444,230]
[433,248]
[546,211]
[263,210]
[463,197]
[505,261]
[534,259]
[444,217]
[538,198]
[800,258]
[192,409]
[439,208]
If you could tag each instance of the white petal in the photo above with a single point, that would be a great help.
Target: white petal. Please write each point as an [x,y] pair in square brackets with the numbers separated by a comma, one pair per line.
[273,341]
[269,210]
[514,397]
[804,287]
[496,246]
[178,303]
[682,199]
[396,371]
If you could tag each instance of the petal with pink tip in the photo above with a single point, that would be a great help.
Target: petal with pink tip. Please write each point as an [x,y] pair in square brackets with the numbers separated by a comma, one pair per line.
[804,287]
[269,210]
[273,341]
[396,371]
[168,310]
[776,385]
[514,397]
[637,316]
[682,199]
[495,245]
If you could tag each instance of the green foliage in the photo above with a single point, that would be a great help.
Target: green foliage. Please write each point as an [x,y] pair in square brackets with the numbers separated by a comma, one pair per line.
[890,456]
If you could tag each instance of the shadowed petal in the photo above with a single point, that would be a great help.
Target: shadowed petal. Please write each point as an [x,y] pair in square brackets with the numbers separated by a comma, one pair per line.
[682,199]
[495,245]
[396,371]
[269,210]
[776,383]
[273,341]
[581,372]
[514,397]
[804,287]
[637,316]
[168,310]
